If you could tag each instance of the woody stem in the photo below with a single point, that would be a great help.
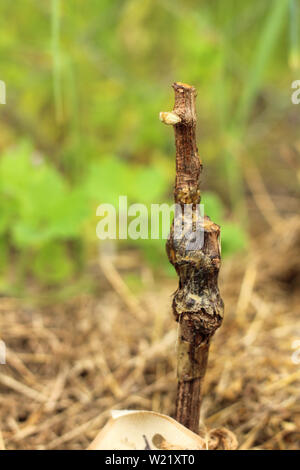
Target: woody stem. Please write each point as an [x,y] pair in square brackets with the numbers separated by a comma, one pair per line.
[197,304]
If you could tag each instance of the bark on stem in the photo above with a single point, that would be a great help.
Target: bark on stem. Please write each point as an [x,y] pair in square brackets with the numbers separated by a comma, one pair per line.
[197,304]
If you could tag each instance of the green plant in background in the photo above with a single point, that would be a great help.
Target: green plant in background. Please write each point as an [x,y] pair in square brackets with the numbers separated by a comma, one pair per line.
[234,237]
[234,112]
[40,213]
[85,83]
[294,56]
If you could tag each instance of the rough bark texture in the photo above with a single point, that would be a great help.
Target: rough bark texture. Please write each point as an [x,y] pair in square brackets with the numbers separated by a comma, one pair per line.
[188,164]
[197,304]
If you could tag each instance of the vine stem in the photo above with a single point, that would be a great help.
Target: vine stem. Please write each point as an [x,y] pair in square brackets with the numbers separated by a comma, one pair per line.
[195,255]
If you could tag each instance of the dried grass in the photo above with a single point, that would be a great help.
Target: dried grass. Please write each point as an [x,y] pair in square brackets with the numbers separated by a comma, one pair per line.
[68,365]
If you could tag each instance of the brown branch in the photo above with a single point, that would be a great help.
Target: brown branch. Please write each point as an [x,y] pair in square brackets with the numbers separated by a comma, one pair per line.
[197,304]
[188,164]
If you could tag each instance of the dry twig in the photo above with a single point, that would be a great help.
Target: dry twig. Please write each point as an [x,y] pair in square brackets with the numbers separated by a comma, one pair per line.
[195,254]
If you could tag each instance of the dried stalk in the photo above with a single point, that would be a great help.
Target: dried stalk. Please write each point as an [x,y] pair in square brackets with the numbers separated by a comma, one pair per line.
[197,304]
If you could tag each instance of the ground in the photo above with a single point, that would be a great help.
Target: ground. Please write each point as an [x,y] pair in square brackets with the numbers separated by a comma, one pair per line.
[68,365]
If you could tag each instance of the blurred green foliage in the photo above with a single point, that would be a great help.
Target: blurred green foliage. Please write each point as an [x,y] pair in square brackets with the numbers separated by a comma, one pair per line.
[85,83]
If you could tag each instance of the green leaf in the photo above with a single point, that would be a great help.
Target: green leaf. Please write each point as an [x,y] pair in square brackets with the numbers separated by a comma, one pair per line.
[52,263]
[262,53]
[233,238]
[213,206]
